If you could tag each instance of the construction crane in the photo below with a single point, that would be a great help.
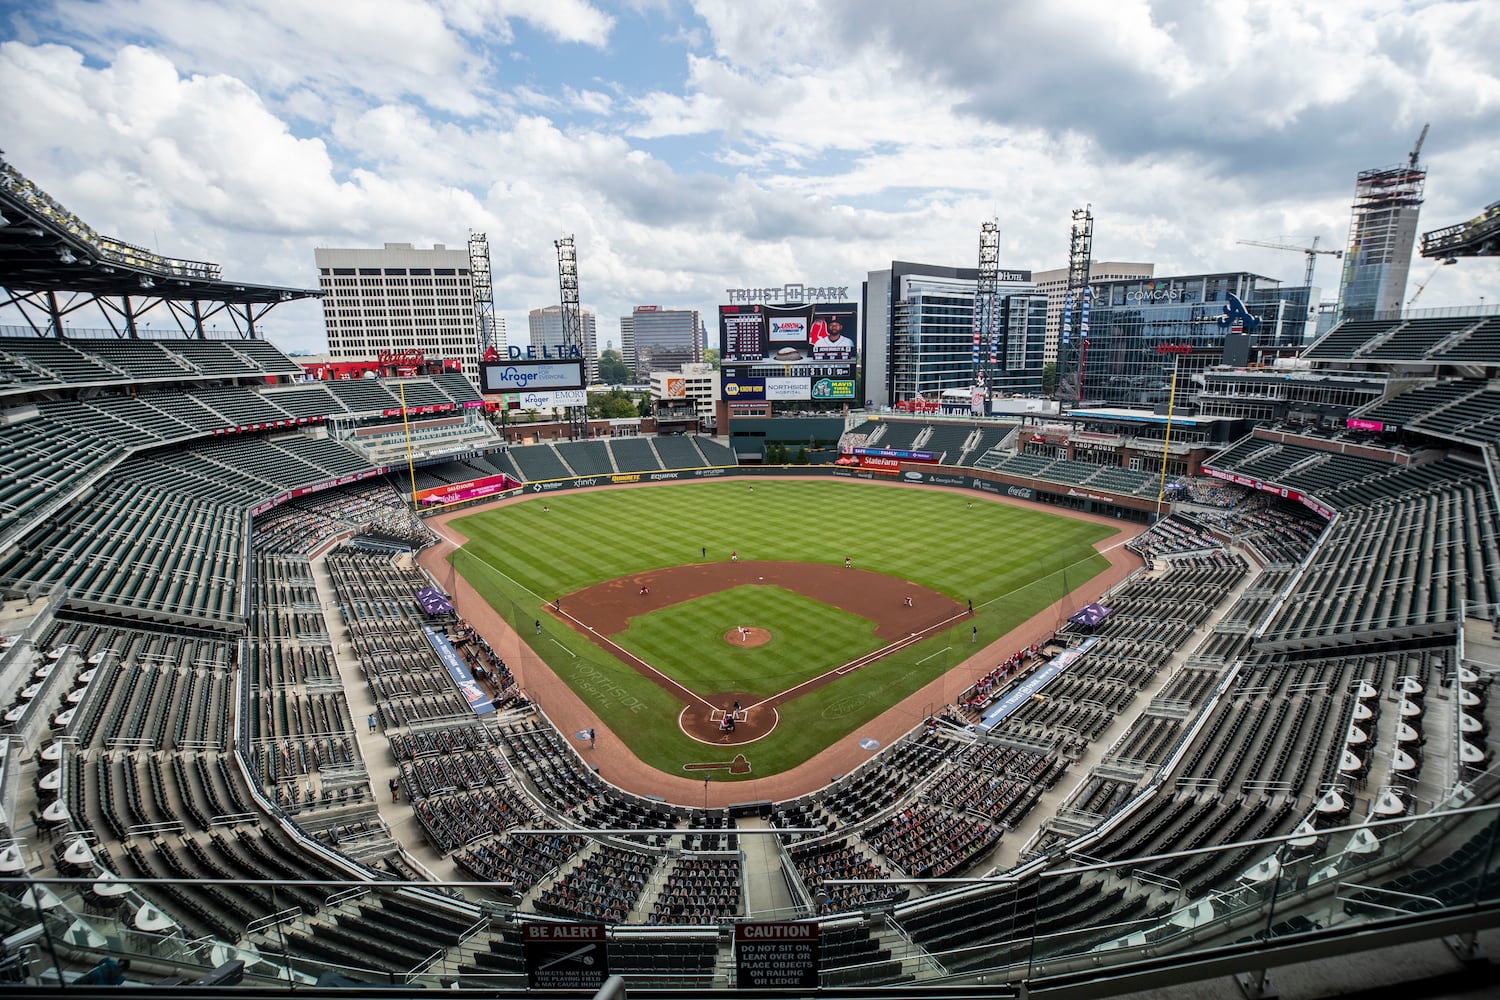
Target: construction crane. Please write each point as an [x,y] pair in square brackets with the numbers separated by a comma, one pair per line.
[1417,149]
[1312,254]
[1428,280]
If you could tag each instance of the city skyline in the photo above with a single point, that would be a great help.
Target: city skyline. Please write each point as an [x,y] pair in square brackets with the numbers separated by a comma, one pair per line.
[692,148]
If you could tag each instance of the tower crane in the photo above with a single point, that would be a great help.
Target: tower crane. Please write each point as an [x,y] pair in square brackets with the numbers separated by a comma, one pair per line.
[1416,150]
[1428,280]
[1311,251]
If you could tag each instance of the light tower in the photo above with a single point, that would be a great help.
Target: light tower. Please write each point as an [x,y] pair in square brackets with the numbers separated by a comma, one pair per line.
[986,304]
[1080,260]
[484,293]
[572,325]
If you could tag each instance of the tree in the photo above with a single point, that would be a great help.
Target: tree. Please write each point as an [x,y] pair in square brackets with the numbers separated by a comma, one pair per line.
[711,357]
[1049,378]
[801,458]
[614,404]
[612,370]
[644,407]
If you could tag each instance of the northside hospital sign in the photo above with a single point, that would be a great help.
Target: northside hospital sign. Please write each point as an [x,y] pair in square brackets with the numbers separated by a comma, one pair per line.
[790,293]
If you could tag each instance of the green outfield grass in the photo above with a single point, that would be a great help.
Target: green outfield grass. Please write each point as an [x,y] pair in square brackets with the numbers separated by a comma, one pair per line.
[686,641]
[1010,561]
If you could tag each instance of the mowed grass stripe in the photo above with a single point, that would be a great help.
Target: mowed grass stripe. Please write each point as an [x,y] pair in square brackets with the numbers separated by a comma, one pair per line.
[1010,561]
[686,641]
[926,536]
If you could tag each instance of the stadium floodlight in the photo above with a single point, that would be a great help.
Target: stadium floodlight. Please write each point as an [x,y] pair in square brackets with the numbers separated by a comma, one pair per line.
[147,282]
[66,256]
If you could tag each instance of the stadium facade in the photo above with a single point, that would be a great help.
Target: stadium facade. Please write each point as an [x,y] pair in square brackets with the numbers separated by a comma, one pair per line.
[399,298]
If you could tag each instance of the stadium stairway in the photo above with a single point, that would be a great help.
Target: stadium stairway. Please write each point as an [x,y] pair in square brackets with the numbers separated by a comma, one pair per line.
[1007,852]
[766,891]
[374,749]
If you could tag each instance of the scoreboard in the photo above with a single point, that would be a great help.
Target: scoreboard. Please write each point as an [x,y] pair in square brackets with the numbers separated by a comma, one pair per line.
[770,351]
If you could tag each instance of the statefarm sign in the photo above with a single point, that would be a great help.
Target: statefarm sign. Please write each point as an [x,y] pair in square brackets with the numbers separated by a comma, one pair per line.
[1311,503]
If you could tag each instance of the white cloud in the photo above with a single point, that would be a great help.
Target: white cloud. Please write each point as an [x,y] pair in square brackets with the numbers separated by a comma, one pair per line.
[776,141]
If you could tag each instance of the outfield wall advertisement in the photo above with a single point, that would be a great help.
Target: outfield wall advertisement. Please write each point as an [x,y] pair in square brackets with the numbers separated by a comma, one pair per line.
[471,489]
[1055,494]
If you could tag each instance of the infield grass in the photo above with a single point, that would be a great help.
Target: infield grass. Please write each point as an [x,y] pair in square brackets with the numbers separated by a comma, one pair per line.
[1011,561]
[686,641]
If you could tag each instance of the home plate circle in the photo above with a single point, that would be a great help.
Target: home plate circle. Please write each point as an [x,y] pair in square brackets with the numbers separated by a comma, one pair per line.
[869,744]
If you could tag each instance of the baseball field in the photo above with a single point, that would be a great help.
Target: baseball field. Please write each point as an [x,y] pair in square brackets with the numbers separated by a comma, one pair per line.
[763,620]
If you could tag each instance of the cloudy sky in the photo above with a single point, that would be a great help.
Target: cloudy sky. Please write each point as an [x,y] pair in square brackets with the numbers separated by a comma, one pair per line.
[696,146]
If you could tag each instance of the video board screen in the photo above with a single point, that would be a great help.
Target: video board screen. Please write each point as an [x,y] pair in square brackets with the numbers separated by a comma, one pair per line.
[522,376]
[817,333]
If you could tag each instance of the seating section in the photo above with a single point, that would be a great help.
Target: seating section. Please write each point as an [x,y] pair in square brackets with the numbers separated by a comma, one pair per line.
[1067,472]
[1411,559]
[538,463]
[586,458]
[1414,339]
[1478,345]
[1406,407]
[363,395]
[634,455]
[1345,341]
[946,441]
[679,453]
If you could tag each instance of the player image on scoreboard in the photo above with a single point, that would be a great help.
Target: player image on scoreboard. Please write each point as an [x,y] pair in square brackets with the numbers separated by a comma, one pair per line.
[766,333]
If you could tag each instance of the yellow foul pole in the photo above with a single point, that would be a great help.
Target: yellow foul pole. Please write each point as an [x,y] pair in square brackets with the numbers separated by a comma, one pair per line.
[1161,489]
[412,469]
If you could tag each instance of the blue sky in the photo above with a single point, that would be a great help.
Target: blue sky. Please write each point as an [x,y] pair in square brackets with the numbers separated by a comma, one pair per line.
[696,146]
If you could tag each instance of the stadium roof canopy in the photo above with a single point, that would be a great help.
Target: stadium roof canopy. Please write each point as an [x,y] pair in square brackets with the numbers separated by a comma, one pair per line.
[46,248]
[1478,237]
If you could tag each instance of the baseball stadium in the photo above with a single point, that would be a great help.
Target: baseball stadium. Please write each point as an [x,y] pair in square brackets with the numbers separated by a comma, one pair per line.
[331,684]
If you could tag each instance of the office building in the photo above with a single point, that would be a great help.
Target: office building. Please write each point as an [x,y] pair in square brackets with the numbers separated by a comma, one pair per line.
[694,387]
[1053,283]
[545,327]
[1142,331]
[919,333]
[654,339]
[398,299]
[1382,233]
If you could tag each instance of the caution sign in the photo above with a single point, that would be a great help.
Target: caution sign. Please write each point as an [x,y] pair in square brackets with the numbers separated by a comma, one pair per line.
[776,956]
[565,956]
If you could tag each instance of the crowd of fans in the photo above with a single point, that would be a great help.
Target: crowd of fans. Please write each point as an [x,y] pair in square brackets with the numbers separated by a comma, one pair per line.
[931,843]
[523,861]
[301,527]
[605,887]
[699,891]
[820,863]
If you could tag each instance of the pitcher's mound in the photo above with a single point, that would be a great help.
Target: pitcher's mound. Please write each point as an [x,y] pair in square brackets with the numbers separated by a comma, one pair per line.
[748,636]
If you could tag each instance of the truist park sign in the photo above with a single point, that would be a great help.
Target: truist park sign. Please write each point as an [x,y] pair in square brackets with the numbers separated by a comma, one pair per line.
[790,292]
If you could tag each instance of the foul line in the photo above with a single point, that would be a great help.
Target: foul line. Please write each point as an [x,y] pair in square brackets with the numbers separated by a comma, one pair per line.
[931,655]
